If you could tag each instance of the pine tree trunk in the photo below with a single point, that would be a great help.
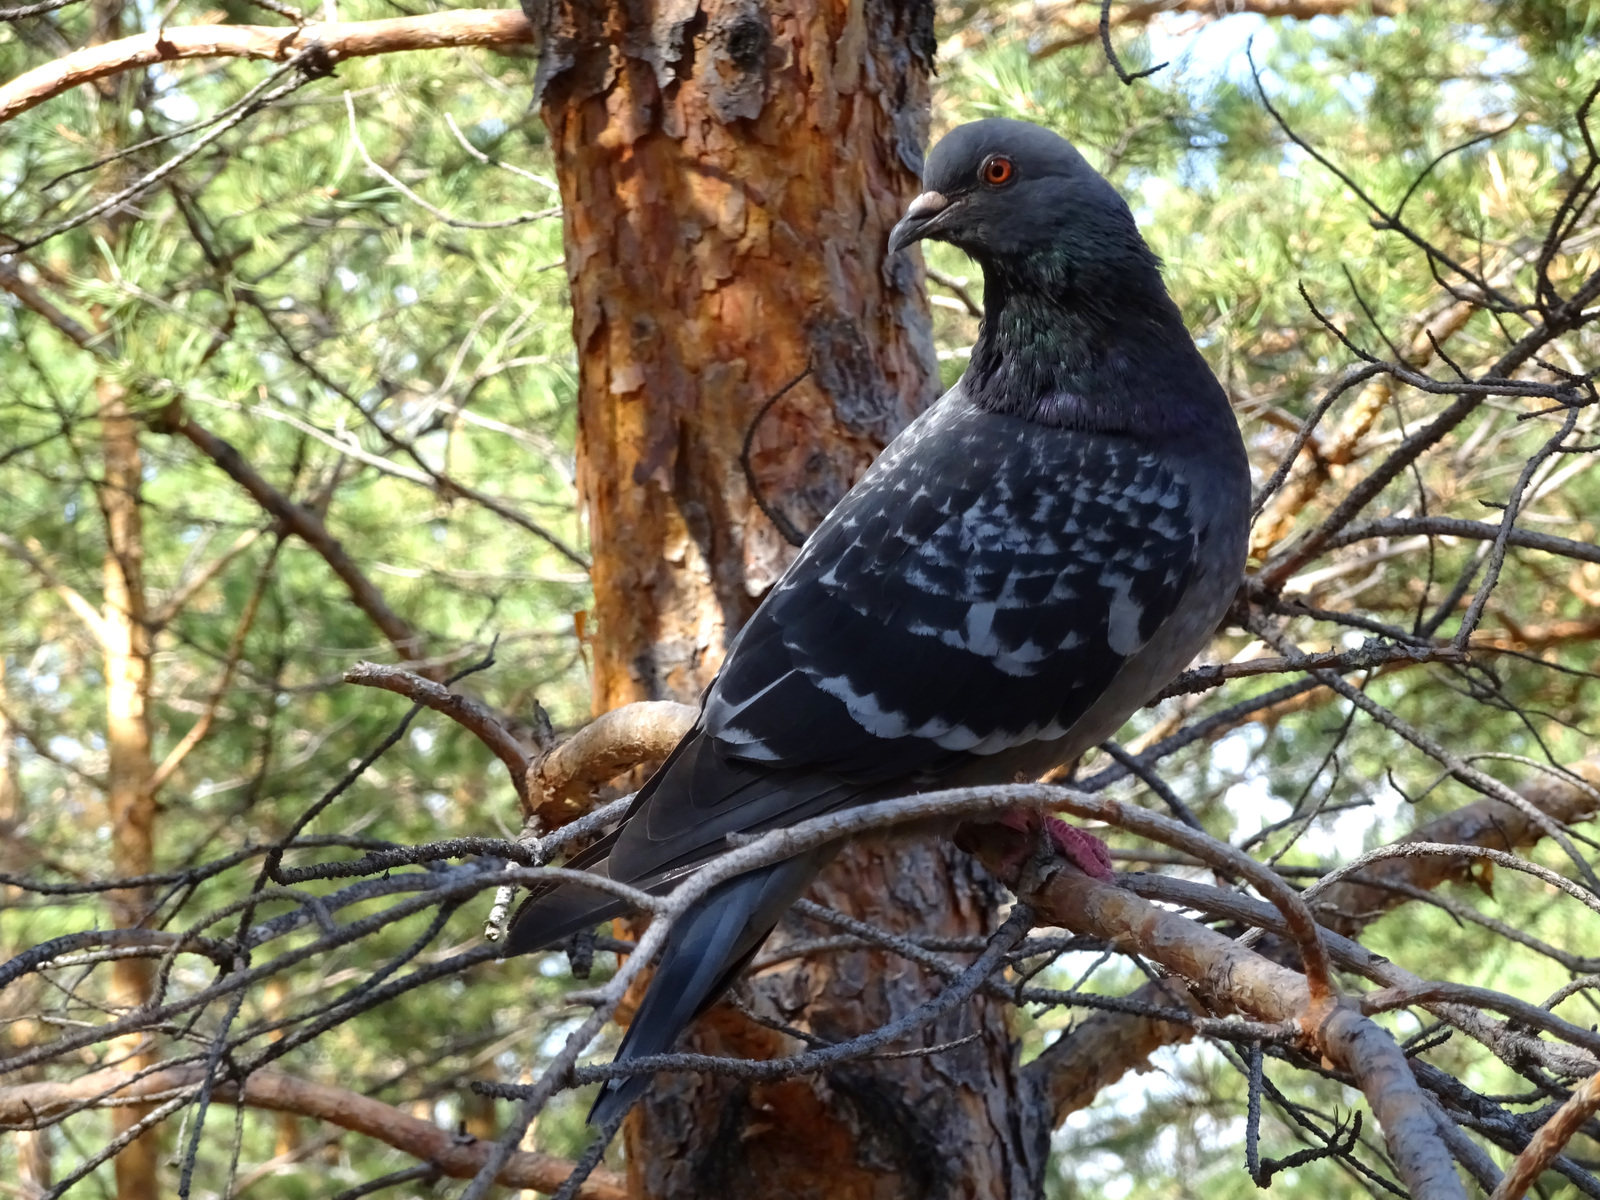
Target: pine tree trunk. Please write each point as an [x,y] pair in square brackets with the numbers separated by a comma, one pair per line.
[125,640]
[730,171]
[125,645]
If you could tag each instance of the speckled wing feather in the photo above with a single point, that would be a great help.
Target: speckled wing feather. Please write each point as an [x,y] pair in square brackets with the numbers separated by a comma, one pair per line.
[979,590]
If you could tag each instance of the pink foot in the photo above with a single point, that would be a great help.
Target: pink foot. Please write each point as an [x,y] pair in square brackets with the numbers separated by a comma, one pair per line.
[1082,850]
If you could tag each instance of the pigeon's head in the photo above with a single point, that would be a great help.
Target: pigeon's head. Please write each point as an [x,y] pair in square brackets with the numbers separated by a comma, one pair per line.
[1015,195]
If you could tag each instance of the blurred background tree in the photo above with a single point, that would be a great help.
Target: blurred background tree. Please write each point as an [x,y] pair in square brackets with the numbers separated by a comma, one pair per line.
[313,397]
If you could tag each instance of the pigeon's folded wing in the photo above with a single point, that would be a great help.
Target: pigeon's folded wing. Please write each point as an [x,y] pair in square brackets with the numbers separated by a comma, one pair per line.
[979,590]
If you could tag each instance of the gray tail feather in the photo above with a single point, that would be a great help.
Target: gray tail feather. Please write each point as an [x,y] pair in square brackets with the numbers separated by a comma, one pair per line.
[548,920]
[704,951]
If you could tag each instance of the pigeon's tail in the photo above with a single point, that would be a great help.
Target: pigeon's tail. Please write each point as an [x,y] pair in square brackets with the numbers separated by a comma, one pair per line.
[681,817]
[706,949]
[554,912]
[545,921]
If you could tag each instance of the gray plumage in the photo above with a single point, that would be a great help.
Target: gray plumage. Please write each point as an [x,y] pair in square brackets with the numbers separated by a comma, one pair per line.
[1031,560]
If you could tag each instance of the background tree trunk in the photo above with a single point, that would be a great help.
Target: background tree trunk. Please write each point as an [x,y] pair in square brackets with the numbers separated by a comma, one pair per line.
[125,638]
[730,172]
[126,645]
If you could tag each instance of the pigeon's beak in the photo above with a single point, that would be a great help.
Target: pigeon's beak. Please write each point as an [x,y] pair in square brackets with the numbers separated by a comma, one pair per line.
[920,220]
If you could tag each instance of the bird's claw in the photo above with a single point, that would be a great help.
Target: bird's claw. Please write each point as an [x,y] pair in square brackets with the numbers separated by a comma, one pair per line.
[1083,850]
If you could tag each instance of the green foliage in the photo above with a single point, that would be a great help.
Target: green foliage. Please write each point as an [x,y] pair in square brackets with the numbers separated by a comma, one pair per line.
[294,304]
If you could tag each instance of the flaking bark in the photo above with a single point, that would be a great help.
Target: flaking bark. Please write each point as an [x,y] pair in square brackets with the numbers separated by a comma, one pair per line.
[730,172]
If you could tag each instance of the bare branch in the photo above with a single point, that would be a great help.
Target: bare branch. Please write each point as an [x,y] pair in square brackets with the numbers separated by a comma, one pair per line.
[560,786]
[1411,849]
[1094,1054]
[472,716]
[1486,785]
[1433,991]
[1547,1143]
[958,287]
[188,588]
[1457,527]
[1108,1046]
[1364,658]
[230,662]
[1512,1045]
[30,1104]
[298,519]
[1239,978]
[32,556]
[336,40]
[455,222]
[1072,32]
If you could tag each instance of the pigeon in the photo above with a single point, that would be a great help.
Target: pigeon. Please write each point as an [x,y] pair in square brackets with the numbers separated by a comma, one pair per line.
[1026,564]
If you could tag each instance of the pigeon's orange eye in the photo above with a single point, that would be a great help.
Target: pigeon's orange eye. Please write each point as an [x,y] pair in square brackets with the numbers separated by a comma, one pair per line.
[998,170]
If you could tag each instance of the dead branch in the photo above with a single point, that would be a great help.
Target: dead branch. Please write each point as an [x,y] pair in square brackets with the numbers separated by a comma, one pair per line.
[1478,781]
[1108,1046]
[1309,469]
[1528,539]
[1285,899]
[31,1105]
[274,43]
[1240,979]
[32,298]
[32,556]
[298,519]
[1232,975]
[472,716]
[1418,849]
[1067,32]
[1574,1057]
[1365,658]
[1094,1054]
[1547,1143]
[1432,992]
[966,982]
[188,588]
[1534,638]
[560,786]
[230,663]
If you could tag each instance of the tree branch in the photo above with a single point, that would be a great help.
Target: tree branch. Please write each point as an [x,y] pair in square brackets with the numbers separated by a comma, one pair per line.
[1302,476]
[1547,1143]
[1239,978]
[460,1157]
[1109,1045]
[560,786]
[32,556]
[337,40]
[1462,528]
[230,663]
[1364,658]
[1080,32]
[300,521]
[1459,1009]
[32,298]
[1100,1050]
[475,718]
[186,590]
